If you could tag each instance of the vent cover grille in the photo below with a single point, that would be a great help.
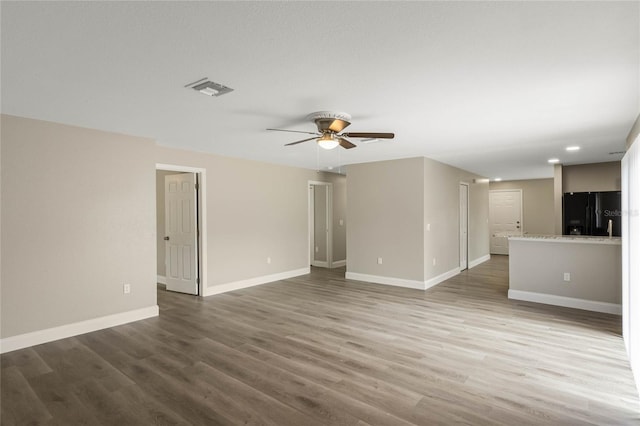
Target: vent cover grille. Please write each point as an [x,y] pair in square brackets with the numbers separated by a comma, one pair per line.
[209,88]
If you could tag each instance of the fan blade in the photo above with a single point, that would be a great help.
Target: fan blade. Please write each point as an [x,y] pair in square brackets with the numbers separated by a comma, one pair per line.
[369,135]
[303,140]
[345,143]
[295,131]
[338,125]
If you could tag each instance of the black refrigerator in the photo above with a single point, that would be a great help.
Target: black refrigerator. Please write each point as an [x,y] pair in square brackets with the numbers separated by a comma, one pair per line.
[588,213]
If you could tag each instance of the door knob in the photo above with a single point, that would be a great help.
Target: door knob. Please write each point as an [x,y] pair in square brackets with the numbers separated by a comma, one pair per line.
[166,238]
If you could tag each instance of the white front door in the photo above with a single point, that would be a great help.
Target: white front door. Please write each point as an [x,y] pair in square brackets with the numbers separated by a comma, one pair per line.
[464,226]
[181,236]
[505,218]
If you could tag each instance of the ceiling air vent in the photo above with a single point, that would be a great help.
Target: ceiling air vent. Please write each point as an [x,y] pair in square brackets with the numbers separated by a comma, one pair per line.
[209,88]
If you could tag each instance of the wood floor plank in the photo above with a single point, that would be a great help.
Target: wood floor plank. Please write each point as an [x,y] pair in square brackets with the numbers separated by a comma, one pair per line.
[322,350]
[61,401]
[20,404]
[247,405]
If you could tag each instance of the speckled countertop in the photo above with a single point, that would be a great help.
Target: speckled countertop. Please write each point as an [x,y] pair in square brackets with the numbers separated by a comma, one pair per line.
[582,239]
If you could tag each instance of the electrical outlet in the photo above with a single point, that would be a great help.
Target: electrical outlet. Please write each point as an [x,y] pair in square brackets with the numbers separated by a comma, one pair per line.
[434,261]
[567,276]
[379,261]
[317,249]
[269,260]
[126,288]
[428,227]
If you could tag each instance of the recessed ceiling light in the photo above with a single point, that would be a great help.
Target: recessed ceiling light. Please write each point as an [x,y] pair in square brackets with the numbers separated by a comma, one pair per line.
[573,148]
[553,160]
[497,179]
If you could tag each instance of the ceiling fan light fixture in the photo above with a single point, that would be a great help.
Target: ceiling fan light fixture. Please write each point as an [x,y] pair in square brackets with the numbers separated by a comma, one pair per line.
[328,141]
[330,132]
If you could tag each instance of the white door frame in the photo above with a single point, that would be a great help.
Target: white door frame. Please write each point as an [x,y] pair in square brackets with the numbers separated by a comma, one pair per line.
[201,175]
[464,242]
[329,224]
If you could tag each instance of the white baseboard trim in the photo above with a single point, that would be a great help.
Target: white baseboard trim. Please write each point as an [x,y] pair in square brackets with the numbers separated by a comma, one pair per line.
[401,282]
[319,264]
[237,285]
[479,260]
[162,279]
[442,277]
[26,340]
[567,302]
[376,279]
[338,263]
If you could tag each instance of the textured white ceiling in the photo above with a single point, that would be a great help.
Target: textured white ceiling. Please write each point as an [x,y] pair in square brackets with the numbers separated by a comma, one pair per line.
[496,88]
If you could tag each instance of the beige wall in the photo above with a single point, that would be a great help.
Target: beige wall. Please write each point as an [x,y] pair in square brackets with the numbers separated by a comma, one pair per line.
[591,177]
[538,215]
[254,211]
[78,214]
[78,222]
[442,212]
[385,218]
[595,273]
[390,205]
[339,211]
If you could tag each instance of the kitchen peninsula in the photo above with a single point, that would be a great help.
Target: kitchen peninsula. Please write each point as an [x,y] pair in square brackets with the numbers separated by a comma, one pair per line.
[573,271]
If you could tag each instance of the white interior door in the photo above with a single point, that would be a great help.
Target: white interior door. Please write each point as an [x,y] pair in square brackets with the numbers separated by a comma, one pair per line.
[464,226]
[181,236]
[505,218]
[312,221]
[320,224]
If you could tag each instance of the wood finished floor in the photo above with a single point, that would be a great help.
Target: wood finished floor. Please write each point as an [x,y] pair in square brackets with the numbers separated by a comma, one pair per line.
[320,350]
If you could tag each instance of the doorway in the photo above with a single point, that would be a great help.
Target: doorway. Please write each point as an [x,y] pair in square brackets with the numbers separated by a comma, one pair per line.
[181,215]
[464,226]
[320,224]
[505,218]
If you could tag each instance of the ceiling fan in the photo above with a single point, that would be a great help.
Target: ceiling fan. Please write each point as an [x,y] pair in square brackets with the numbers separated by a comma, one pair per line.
[330,126]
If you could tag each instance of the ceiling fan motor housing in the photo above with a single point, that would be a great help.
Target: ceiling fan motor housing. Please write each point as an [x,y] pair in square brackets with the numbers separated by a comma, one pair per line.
[329,121]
